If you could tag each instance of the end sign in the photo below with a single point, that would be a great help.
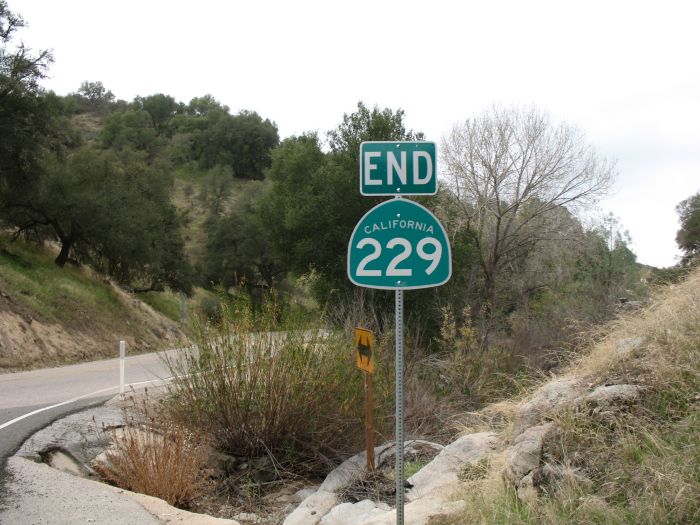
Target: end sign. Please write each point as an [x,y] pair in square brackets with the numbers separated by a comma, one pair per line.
[398,168]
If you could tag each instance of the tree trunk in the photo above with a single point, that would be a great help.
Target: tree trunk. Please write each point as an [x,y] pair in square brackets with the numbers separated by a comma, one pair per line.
[62,258]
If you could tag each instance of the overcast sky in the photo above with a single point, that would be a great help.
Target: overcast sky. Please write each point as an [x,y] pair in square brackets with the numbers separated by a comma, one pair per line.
[627,73]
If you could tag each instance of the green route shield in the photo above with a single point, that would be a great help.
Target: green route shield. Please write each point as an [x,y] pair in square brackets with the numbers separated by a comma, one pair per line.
[399,245]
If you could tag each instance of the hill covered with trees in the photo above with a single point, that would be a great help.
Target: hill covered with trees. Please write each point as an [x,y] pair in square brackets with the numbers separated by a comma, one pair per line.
[164,195]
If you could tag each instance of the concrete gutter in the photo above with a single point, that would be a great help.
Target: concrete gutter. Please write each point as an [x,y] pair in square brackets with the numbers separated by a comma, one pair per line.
[35,493]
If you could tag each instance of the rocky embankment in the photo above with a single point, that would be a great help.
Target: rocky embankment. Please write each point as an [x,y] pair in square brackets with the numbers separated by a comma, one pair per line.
[74,444]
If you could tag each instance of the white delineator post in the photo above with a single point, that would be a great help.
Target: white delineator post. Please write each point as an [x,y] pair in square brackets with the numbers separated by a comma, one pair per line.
[122,363]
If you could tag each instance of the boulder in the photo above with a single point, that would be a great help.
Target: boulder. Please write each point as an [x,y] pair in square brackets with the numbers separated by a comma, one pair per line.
[612,394]
[526,452]
[312,509]
[353,513]
[420,512]
[553,395]
[316,505]
[442,473]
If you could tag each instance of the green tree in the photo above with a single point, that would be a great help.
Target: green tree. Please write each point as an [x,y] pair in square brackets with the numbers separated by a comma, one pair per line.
[242,141]
[688,236]
[315,202]
[216,189]
[112,211]
[27,116]
[161,108]
[96,93]
[131,129]
[239,251]
[205,132]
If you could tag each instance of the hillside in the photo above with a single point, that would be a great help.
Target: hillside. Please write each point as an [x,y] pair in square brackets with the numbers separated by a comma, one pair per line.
[614,438]
[52,316]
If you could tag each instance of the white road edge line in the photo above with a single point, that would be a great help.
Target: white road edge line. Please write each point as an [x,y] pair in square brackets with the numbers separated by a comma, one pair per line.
[38,411]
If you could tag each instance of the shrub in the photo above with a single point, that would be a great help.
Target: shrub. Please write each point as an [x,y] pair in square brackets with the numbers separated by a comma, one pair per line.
[478,370]
[157,457]
[294,394]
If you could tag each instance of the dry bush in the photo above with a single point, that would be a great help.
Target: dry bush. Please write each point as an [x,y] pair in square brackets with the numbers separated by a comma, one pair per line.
[157,457]
[294,395]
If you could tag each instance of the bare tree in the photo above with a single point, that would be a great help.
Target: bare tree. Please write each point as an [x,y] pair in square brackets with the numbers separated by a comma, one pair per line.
[511,170]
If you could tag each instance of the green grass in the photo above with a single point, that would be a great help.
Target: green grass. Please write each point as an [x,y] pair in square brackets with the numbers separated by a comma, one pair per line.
[165,302]
[29,276]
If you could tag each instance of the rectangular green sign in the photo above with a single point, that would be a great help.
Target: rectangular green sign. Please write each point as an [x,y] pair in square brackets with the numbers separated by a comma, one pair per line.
[398,168]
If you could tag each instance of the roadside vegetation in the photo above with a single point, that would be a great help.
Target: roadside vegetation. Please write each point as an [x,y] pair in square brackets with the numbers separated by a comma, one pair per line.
[156,456]
[61,295]
[52,316]
[628,464]
[108,204]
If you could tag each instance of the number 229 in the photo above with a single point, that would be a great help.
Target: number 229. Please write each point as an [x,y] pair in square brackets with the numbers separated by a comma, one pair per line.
[406,248]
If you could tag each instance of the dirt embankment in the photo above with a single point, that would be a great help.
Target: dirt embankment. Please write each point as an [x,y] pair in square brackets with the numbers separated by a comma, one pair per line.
[31,340]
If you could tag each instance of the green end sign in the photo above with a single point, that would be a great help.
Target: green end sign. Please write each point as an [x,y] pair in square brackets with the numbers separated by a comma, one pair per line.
[398,168]
[399,244]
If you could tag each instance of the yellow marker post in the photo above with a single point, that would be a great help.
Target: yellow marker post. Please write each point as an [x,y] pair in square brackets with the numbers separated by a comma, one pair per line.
[364,359]
[364,350]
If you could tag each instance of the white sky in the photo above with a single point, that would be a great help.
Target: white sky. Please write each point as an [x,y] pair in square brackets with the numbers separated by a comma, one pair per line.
[626,72]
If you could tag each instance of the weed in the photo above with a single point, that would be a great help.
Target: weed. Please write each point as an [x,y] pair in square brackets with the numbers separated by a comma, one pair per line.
[475,471]
[157,457]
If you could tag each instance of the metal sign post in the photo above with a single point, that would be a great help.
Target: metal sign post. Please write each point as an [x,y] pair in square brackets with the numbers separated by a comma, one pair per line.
[398,245]
[399,408]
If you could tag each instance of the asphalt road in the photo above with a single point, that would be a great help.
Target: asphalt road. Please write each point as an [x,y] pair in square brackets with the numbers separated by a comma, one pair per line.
[32,400]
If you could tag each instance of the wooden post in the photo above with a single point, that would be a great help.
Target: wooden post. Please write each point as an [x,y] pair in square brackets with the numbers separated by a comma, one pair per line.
[369,421]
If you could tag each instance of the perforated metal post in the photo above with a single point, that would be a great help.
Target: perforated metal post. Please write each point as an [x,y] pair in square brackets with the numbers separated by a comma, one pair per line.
[399,408]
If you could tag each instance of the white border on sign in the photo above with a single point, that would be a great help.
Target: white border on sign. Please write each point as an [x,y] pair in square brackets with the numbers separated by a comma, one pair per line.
[398,194]
[447,240]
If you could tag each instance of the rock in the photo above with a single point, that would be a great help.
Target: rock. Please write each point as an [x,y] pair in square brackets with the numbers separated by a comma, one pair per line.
[606,395]
[526,452]
[302,494]
[625,347]
[443,471]
[312,509]
[352,513]
[420,512]
[315,506]
[555,394]
[527,492]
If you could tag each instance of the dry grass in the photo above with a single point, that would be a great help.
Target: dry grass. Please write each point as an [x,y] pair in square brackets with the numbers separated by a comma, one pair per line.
[157,457]
[634,463]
